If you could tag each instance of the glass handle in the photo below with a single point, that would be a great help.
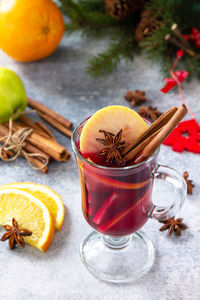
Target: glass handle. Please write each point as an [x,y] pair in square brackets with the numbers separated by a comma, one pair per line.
[173,177]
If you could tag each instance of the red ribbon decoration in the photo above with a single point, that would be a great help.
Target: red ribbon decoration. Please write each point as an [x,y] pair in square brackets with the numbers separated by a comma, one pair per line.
[186,136]
[172,82]
[177,78]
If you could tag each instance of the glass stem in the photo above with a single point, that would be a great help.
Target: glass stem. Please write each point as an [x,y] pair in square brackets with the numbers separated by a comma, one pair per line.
[116,242]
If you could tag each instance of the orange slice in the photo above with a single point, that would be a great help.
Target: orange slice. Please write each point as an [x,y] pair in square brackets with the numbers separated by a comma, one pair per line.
[51,199]
[110,182]
[30,213]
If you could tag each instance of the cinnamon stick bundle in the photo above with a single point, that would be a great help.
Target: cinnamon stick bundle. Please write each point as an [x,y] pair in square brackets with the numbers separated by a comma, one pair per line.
[29,147]
[50,147]
[49,112]
[33,160]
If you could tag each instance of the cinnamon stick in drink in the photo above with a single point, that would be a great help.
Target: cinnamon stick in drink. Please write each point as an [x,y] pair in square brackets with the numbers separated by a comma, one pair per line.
[56,124]
[150,148]
[149,134]
[51,113]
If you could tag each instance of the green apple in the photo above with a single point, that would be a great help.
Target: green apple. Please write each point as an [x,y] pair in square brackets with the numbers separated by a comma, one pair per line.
[12,94]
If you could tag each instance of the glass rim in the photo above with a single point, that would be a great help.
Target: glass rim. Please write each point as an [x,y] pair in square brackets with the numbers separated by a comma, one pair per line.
[74,148]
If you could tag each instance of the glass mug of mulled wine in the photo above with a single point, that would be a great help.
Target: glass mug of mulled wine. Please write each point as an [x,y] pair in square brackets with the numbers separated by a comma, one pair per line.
[117,202]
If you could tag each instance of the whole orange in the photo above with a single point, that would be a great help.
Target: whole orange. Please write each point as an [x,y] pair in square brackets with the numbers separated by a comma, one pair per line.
[30,29]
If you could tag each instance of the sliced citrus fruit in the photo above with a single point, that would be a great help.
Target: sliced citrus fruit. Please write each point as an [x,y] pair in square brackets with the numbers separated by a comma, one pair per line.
[111,119]
[124,213]
[30,213]
[110,182]
[47,196]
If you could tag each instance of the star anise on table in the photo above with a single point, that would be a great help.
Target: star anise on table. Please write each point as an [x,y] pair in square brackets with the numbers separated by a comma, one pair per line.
[135,98]
[173,225]
[114,146]
[189,182]
[15,235]
[150,113]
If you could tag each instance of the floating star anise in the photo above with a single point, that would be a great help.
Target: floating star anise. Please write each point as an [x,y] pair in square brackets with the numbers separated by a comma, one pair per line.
[15,235]
[115,146]
[173,226]
[189,182]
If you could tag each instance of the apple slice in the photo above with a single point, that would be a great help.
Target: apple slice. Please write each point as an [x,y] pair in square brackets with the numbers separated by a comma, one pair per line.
[112,119]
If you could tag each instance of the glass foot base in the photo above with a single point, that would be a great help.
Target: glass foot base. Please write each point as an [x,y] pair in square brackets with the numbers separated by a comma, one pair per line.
[113,259]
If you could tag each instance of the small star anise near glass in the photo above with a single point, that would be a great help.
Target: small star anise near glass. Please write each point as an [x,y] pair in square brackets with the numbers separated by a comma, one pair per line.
[150,113]
[115,146]
[189,182]
[173,226]
[15,235]
[135,98]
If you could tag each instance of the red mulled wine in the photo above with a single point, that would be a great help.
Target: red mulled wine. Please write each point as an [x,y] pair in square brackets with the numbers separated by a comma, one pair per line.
[116,201]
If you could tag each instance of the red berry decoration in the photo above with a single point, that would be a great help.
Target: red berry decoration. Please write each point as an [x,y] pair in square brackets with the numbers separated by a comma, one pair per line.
[196,37]
[180,53]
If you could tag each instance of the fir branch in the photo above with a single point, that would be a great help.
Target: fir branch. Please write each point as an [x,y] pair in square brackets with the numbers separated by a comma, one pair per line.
[90,17]
[108,60]
[155,44]
[72,27]
[192,66]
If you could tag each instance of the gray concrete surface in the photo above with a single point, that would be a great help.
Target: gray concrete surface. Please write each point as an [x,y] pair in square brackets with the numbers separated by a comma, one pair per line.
[61,82]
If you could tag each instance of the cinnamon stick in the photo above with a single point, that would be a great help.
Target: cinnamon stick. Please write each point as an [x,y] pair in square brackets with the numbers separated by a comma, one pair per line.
[150,133]
[50,147]
[45,129]
[141,146]
[150,148]
[29,147]
[27,122]
[7,154]
[56,124]
[45,110]
[37,163]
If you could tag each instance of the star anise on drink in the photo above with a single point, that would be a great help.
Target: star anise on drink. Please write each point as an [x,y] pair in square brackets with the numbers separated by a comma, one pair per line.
[15,235]
[135,98]
[150,113]
[173,225]
[189,182]
[114,146]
